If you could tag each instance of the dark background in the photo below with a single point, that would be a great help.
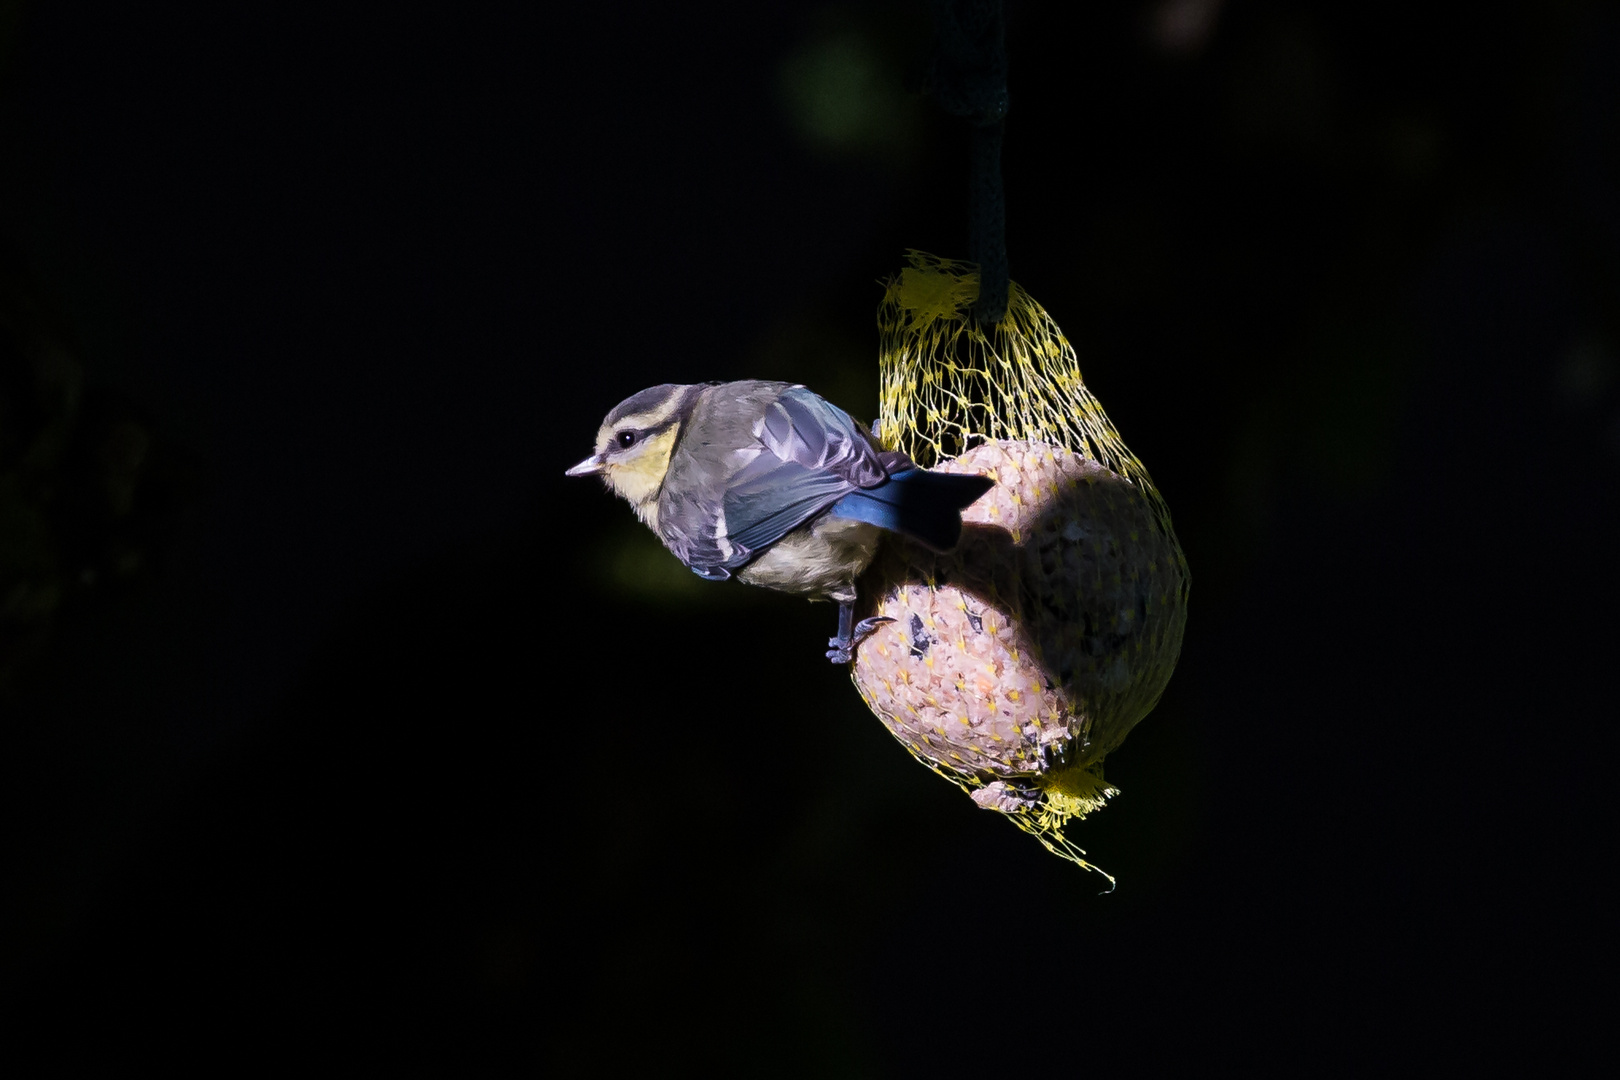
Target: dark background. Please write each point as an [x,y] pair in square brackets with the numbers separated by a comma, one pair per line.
[376,741]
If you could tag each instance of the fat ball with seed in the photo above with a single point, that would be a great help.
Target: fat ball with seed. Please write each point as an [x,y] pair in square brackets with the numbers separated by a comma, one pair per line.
[768,482]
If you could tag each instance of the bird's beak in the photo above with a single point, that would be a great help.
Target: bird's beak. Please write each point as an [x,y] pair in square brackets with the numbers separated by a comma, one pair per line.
[589,467]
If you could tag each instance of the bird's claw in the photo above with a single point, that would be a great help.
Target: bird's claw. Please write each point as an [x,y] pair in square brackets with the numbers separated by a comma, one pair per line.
[843,649]
[867,627]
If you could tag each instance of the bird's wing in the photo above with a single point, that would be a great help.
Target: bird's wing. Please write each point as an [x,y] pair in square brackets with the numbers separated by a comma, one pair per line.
[760,514]
[815,454]
[802,428]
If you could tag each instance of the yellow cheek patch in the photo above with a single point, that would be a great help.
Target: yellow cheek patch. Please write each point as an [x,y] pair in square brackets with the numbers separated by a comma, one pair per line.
[638,476]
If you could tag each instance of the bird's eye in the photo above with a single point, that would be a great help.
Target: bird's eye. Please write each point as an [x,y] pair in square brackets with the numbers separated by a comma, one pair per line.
[627,439]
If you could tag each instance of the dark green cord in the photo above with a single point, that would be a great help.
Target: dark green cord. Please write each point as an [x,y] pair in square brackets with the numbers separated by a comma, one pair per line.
[969,79]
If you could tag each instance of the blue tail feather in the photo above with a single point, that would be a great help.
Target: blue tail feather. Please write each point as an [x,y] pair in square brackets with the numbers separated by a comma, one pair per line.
[926,506]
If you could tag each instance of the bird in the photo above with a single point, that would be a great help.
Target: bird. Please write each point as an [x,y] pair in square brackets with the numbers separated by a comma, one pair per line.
[770,483]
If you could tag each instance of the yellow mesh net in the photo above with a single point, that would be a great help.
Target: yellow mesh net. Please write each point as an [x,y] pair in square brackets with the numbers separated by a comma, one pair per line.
[1013,665]
[948,386]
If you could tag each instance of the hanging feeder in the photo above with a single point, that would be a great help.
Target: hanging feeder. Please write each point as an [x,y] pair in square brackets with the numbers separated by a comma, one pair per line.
[1017,662]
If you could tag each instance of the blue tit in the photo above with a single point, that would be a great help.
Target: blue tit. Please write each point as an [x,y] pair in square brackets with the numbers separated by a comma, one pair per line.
[768,482]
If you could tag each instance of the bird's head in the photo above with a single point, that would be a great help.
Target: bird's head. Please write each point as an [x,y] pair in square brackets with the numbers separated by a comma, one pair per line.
[635,442]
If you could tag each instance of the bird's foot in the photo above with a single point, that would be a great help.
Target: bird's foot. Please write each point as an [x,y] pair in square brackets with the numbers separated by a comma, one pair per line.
[843,647]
